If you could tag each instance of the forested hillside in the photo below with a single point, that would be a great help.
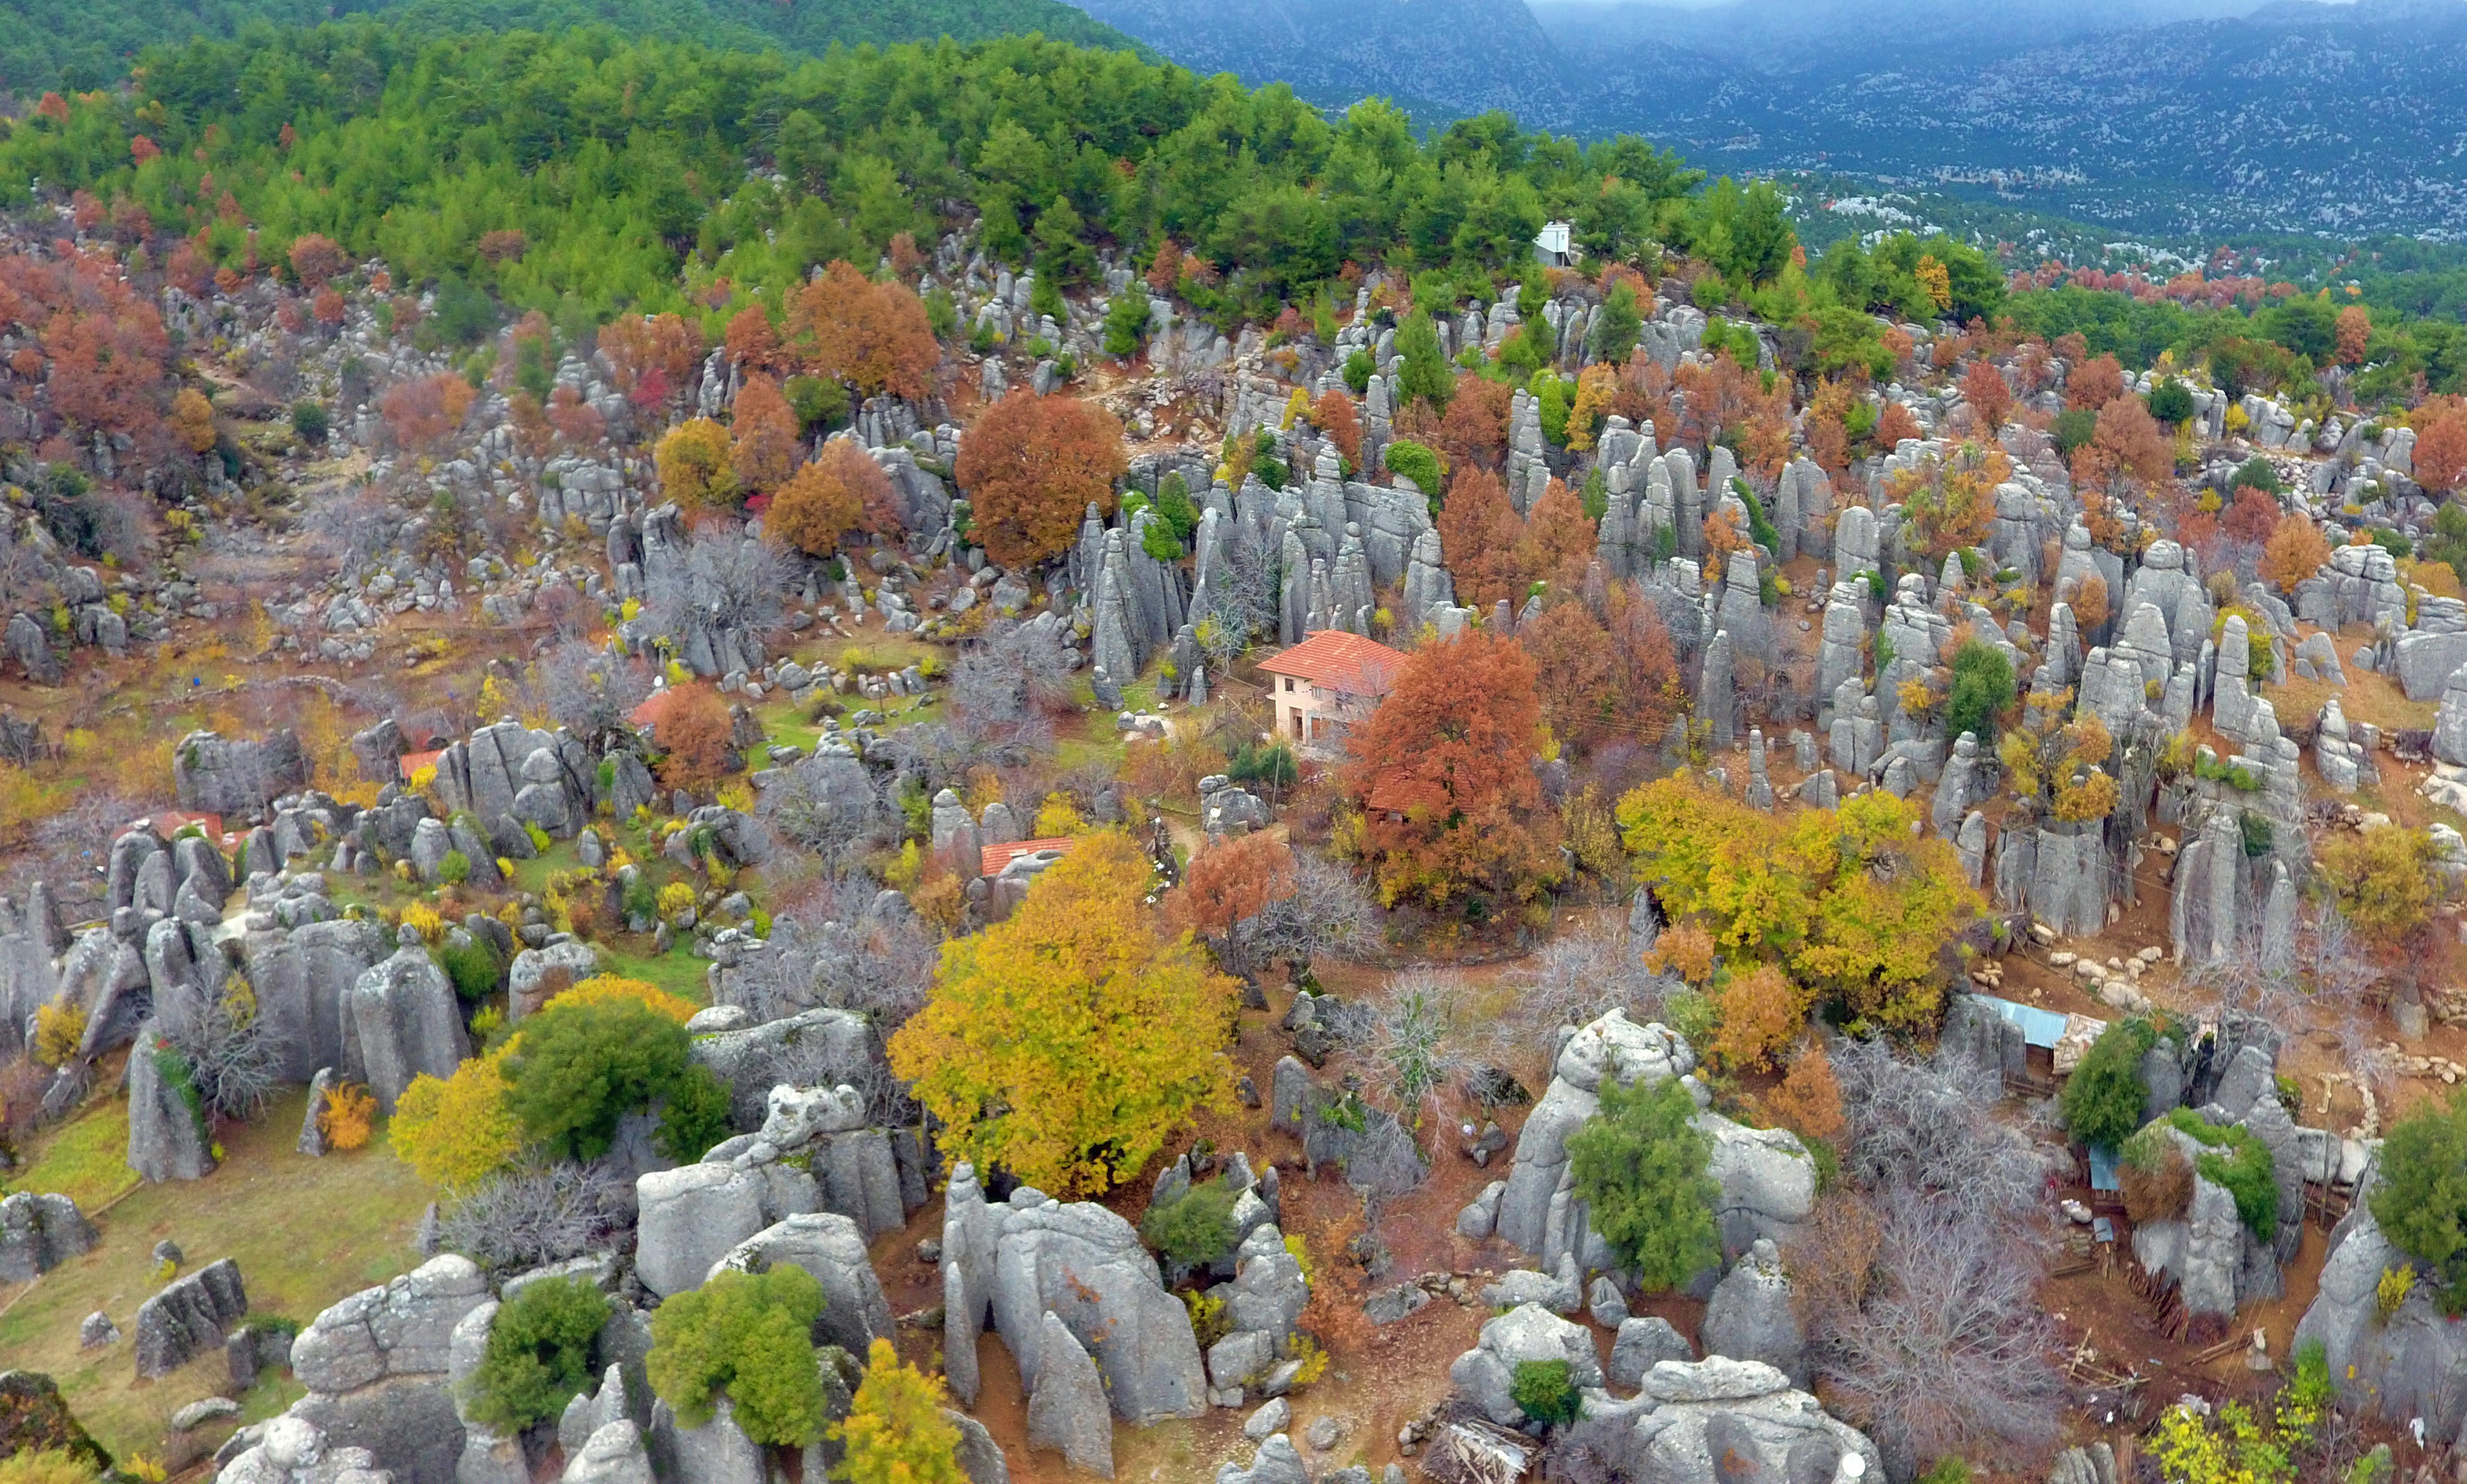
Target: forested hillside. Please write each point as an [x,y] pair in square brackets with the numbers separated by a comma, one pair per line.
[78,45]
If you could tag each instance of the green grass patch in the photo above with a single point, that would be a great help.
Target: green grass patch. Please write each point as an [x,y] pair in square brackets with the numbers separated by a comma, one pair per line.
[678,972]
[85,1160]
[305,1233]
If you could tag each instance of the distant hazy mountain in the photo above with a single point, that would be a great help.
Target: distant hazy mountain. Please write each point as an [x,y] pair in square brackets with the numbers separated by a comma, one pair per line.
[1439,57]
[2176,116]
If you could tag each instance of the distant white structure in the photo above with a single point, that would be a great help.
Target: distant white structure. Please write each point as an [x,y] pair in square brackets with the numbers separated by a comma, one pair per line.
[1556,245]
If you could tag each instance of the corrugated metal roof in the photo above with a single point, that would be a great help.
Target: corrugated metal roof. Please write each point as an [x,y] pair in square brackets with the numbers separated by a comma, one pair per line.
[2039,1028]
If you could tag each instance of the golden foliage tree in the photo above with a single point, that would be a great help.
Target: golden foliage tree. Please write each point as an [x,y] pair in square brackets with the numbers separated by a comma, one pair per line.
[896,1432]
[2382,879]
[193,419]
[1031,467]
[695,465]
[2294,552]
[457,1131]
[1444,774]
[1065,1044]
[1849,902]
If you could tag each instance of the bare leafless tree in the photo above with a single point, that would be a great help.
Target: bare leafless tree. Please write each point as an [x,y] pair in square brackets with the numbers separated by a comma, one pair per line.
[1926,1329]
[232,1061]
[1929,1127]
[725,584]
[591,691]
[1330,912]
[1574,980]
[527,1217]
[878,962]
[829,804]
[355,525]
[1416,1041]
[1009,674]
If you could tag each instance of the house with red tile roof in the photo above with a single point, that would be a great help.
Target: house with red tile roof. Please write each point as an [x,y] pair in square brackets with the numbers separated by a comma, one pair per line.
[1327,684]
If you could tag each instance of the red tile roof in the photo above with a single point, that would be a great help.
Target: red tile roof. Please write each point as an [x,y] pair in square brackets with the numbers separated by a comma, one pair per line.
[1342,661]
[993,858]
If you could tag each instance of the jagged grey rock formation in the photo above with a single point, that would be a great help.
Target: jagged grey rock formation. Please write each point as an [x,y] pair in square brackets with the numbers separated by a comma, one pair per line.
[1014,1262]
[188,1317]
[39,1232]
[1749,1316]
[404,1023]
[377,1368]
[1486,1374]
[1066,1406]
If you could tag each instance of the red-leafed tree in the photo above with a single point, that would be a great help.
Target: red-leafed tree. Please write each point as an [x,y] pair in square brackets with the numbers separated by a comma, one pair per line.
[650,357]
[1983,387]
[1452,810]
[2095,383]
[1479,531]
[2254,516]
[1031,467]
[314,259]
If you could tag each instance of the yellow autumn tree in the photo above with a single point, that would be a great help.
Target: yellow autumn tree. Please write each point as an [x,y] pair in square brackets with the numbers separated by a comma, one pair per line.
[600,988]
[1847,901]
[1067,1043]
[457,1131]
[1596,386]
[192,417]
[693,461]
[896,1432]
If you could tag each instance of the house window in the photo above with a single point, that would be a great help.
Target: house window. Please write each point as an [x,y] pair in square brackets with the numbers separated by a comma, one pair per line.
[1289,684]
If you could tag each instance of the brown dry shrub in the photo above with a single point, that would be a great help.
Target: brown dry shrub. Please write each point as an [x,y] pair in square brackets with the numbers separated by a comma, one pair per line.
[2160,1195]
[1686,950]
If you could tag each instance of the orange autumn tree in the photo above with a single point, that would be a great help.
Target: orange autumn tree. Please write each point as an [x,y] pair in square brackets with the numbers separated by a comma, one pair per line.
[765,447]
[847,327]
[843,490]
[1990,399]
[2296,551]
[2093,384]
[1557,541]
[1065,1044]
[1443,771]
[1479,531]
[650,357]
[1031,467]
[1333,414]
[2353,332]
[2130,436]
[424,411]
[2441,450]
[752,342]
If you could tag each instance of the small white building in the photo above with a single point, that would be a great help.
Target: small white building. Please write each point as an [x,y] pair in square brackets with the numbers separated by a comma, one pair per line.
[1556,245]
